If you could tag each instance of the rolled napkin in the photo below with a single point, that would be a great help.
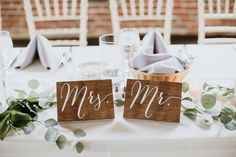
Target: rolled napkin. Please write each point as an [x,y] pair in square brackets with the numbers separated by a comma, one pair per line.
[40,48]
[156,58]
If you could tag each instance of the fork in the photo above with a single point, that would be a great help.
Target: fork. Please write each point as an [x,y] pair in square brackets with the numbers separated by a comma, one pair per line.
[70,55]
[63,59]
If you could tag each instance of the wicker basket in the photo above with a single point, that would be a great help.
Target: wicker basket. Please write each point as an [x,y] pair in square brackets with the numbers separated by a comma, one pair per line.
[176,77]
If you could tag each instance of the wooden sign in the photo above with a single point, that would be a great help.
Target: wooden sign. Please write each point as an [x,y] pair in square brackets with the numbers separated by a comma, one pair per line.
[84,100]
[153,100]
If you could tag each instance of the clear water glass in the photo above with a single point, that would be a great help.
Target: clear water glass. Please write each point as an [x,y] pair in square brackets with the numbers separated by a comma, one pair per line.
[111,59]
[6,45]
[3,95]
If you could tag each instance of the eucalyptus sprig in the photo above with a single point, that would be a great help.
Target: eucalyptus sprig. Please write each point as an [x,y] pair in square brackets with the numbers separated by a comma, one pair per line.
[226,91]
[58,136]
[22,114]
[206,111]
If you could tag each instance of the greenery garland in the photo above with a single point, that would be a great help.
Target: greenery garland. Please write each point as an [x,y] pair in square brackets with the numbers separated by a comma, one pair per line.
[22,114]
[204,110]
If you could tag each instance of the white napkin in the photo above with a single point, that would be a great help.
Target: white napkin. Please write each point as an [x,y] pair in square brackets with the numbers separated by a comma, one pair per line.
[156,58]
[40,48]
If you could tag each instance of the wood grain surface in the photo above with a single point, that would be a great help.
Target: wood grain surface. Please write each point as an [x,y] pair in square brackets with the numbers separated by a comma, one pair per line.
[84,100]
[166,102]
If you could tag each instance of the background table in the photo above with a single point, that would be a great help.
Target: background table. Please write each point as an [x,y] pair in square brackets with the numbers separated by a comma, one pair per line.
[125,137]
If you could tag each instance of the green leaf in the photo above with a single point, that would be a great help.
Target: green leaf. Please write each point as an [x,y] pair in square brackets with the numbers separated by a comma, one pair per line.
[51,134]
[61,141]
[4,127]
[205,121]
[28,128]
[51,122]
[208,101]
[188,99]
[44,103]
[10,99]
[191,113]
[225,119]
[79,147]
[52,97]
[185,87]
[4,114]
[79,133]
[119,102]
[228,111]
[19,119]
[21,93]
[230,126]
[33,84]
[229,92]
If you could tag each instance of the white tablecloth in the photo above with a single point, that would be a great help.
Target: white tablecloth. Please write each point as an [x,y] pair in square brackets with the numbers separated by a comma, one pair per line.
[123,137]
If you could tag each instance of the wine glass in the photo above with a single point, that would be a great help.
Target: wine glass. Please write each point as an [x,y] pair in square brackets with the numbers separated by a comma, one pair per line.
[5,46]
[129,44]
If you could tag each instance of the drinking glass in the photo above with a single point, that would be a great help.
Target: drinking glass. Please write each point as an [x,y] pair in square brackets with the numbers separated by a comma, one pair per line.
[6,46]
[3,95]
[112,60]
[129,44]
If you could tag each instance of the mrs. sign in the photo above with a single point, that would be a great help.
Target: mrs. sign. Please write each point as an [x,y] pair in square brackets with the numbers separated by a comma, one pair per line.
[84,100]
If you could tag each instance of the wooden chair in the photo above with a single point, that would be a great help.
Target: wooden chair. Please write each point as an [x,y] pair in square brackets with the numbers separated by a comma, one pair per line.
[215,10]
[142,10]
[58,11]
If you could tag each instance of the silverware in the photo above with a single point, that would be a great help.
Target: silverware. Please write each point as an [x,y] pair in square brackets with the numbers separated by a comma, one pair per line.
[186,50]
[185,59]
[63,59]
[15,58]
[70,55]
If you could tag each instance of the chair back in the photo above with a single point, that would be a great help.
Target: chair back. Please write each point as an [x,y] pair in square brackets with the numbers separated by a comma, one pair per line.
[58,11]
[216,10]
[143,10]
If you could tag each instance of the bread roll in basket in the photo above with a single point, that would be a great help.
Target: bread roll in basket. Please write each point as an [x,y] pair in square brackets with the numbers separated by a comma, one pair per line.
[175,77]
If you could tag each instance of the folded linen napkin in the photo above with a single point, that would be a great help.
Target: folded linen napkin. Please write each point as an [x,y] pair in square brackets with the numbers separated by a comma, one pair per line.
[156,58]
[40,48]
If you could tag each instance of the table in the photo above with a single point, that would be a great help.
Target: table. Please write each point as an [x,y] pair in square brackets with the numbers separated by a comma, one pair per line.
[123,137]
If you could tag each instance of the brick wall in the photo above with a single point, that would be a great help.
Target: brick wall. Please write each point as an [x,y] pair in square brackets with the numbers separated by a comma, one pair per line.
[184,20]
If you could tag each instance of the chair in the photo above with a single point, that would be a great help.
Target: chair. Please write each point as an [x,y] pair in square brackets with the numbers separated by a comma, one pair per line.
[216,10]
[0,17]
[142,10]
[60,11]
